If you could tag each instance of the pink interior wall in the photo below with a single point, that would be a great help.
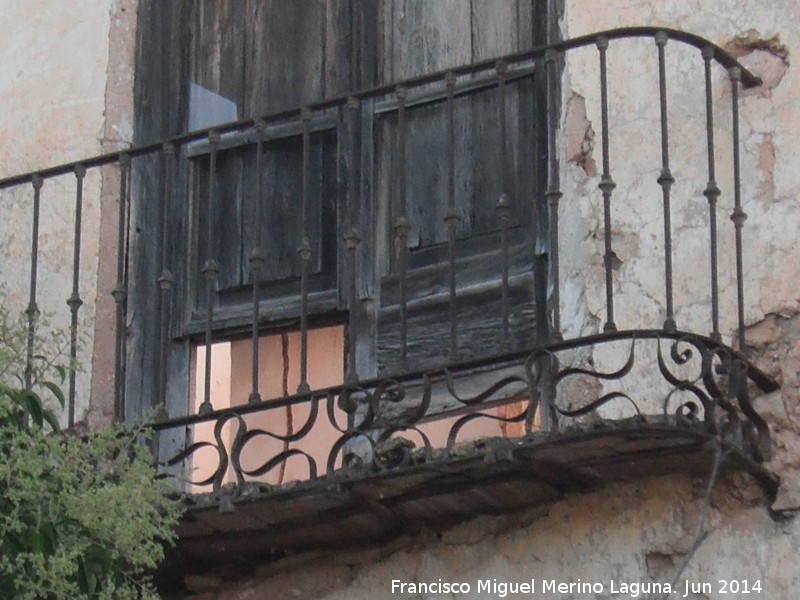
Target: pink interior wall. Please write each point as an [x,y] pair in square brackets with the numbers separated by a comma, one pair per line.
[279,376]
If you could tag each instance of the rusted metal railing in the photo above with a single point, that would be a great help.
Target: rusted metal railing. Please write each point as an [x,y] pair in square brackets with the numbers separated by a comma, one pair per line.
[366,413]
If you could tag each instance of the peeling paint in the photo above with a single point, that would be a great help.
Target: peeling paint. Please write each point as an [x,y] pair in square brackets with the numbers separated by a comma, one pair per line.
[750,40]
[766,164]
[579,135]
[637,531]
[776,339]
[632,530]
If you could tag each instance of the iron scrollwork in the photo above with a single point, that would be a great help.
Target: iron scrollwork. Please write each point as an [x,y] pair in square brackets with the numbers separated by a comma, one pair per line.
[379,425]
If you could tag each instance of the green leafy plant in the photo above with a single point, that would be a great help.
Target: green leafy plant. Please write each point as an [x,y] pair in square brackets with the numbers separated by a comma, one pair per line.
[80,517]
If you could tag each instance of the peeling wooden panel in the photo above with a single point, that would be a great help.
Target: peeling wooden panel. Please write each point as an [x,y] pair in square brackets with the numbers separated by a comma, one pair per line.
[473,269]
[496,28]
[160,104]
[219,50]
[340,48]
[160,95]
[141,310]
[282,210]
[267,55]
[366,28]
[479,318]
[284,61]
[479,175]
[369,261]
[478,167]
[236,185]
[234,218]
[418,37]
[425,35]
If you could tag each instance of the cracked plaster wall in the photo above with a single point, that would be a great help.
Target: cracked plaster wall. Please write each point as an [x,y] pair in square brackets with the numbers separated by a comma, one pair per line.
[66,87]
[62,105]
[770,128]
[634,532]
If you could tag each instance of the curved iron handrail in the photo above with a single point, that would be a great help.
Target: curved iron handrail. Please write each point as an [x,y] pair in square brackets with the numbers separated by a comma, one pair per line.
[724,59]
[706,372]
[760,378]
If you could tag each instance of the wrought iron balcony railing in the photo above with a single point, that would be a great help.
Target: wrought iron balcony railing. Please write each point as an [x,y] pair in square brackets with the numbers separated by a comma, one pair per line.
[518,371]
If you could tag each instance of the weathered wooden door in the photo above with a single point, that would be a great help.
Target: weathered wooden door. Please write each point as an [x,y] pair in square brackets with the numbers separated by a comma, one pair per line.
[497,148]
[200,62]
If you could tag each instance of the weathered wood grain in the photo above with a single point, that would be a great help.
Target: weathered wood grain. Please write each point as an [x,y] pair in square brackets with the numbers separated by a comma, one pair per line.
[479,326]
[267,55]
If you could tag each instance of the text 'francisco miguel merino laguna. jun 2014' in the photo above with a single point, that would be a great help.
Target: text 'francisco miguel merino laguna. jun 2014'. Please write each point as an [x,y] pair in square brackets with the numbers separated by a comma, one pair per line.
[534,588]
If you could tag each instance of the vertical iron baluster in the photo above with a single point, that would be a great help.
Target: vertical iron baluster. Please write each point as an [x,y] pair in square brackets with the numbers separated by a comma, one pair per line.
[211,267]
[503,207]
[606,186]
[402,225]
[665,179]
[305,255]
[166,280]
[352,239]
[120,292]
[32,312]
[738,216]
[257,260]
[452,218]
[712,193]
[553,193]
[75,301]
